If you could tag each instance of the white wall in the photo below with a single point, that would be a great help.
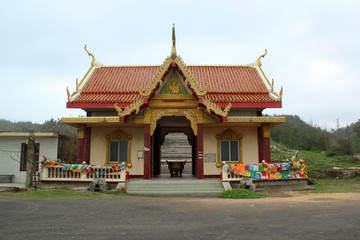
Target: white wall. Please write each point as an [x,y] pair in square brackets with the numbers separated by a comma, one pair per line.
[250,152]
[10,154]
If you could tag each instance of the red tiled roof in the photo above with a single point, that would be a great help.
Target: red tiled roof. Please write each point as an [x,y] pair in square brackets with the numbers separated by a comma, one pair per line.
[119,79]
[262,97]
[229,79]
[236,84]
[108,97]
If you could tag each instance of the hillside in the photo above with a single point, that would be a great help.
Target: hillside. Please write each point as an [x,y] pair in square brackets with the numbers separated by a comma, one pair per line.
[297,134]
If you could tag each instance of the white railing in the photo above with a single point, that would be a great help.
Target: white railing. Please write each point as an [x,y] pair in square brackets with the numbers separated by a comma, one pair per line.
[228,176]
[57,173]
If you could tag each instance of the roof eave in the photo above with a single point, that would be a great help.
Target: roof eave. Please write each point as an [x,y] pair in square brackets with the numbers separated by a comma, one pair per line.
[251,104]
[95,105]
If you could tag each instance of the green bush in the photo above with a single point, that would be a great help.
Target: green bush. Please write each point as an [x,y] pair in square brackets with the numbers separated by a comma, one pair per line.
[311,181]
[242,193]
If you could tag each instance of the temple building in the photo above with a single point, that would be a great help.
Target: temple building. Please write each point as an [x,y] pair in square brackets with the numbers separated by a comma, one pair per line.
[130,110]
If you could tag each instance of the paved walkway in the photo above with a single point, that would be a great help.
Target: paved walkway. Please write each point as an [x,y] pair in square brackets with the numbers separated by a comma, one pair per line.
[306,216]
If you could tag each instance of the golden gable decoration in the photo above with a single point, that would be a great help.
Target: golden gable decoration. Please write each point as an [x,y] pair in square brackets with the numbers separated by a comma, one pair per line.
[119,134]
[173,86]
[190,114]
[129,109]
[229,134]
[211,106]
[189,78]
[156,79]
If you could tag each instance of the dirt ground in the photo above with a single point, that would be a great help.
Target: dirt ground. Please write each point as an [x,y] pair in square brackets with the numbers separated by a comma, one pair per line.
[294,216]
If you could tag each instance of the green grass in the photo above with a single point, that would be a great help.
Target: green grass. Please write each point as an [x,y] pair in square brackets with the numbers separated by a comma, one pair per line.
[336,185]
[53,193]
[317,162]
[242,193]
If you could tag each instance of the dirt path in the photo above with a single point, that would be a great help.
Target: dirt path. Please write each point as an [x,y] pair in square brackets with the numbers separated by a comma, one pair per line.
[300,216]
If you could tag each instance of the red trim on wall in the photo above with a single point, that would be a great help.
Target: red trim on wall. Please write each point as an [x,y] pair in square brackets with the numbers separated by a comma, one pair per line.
[87,145]
[212,176]
[80,151]
[136,176]
[266,149]
[151,158]
[260,144]
[147,148]
[200,152]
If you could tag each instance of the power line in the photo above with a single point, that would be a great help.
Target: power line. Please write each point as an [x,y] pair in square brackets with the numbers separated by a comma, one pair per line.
[8,151]
[16,159]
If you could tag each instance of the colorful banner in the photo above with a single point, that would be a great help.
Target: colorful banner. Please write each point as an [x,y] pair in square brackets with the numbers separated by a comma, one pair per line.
[269,171]
[81,168]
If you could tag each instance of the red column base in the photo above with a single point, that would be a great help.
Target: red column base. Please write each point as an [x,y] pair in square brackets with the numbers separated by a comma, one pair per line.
[266,149]
[80,151]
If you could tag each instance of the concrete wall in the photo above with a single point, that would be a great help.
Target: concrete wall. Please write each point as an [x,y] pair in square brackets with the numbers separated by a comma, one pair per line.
[10,154]
[98,146]
[249,146]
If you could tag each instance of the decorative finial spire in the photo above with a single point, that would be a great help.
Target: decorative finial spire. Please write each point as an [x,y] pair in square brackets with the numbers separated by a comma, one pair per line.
[173,50]
[90,54]
[261,56]
[93,62]
[257,63]
[68,93]
[77,84]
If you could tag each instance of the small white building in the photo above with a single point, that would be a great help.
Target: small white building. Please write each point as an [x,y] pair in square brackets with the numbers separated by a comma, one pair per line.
[13,153]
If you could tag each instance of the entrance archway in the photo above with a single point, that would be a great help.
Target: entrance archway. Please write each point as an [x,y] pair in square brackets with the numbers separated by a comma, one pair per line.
[167,125]
[152,154]
[176,147]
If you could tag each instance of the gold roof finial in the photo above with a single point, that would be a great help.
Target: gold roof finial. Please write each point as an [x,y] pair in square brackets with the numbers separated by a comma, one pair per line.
[90,54]
[173,50]
[93,61]
[77,84]
[68,93]
[261,56]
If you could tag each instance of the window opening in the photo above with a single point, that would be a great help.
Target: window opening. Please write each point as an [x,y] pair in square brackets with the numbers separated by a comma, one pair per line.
[24,156]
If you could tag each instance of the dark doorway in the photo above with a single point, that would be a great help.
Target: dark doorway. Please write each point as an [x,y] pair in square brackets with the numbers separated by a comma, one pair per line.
[176,148]
[173,140]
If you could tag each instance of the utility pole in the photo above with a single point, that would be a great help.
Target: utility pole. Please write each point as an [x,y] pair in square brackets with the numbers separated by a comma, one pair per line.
[31,164]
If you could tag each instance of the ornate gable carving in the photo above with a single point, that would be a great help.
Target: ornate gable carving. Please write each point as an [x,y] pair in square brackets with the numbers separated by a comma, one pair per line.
[174,89]
[158,78]
[229,134]
[135,106]
[118,134]
[211,106]
[173,86]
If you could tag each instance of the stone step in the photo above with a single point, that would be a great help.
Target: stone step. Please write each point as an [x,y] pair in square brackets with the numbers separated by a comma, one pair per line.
[174,188]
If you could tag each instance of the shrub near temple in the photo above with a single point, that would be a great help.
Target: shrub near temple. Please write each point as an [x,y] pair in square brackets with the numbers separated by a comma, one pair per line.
[242,193]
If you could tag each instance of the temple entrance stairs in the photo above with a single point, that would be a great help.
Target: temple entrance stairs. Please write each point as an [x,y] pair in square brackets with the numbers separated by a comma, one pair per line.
[195,188]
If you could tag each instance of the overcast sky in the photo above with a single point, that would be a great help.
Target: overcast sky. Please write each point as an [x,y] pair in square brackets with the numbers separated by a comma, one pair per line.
[313,49]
